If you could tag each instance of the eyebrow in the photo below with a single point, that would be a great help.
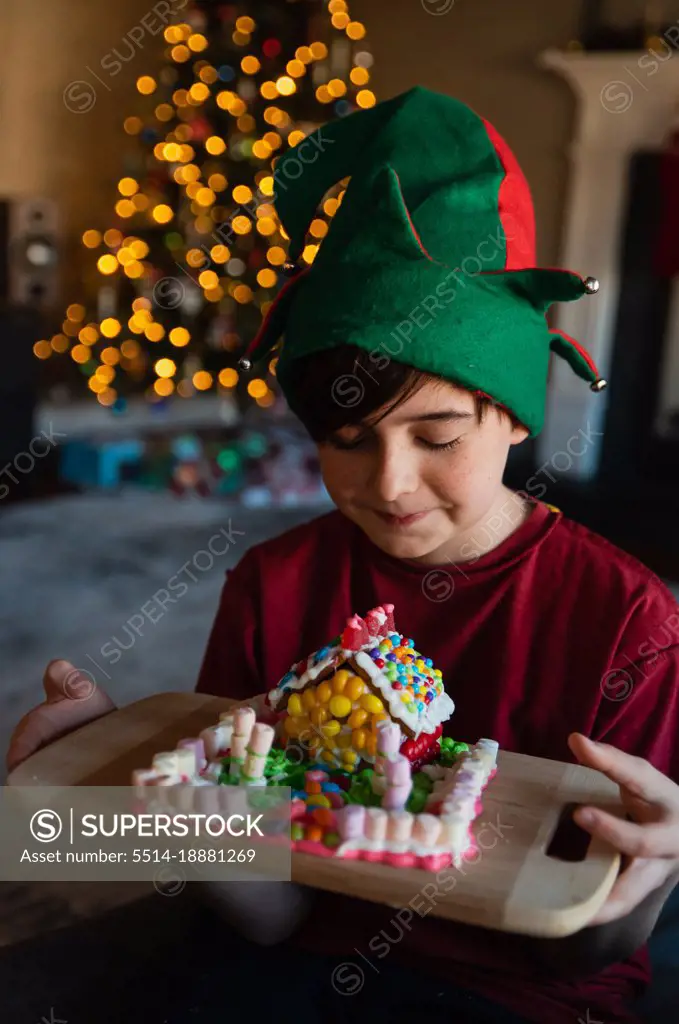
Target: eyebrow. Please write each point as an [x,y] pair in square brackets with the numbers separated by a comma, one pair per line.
[434,417]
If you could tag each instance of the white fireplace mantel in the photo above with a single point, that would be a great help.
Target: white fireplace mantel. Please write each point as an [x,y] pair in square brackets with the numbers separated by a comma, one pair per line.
[626,102]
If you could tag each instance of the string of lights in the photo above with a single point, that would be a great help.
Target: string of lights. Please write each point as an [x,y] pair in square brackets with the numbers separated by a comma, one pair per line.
[182,280]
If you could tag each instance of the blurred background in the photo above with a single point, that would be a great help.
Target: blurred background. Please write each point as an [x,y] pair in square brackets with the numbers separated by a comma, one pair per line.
[139,251]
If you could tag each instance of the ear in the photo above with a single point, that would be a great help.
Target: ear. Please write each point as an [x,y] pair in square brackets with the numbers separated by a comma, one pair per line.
[518,434]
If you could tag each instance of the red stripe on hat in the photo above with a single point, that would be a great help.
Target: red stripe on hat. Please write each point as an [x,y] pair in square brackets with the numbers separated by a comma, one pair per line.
[412,226]
[515,206]
[263,327]
[494,401]
[579,349]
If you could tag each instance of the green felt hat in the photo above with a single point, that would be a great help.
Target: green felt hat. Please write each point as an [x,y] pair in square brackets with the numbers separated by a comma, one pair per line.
[429,259]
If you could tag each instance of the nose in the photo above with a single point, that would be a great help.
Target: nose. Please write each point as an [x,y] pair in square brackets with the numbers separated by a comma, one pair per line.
[395,472]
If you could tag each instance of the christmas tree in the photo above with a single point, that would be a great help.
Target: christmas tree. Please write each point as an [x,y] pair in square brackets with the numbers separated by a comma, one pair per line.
[181,281]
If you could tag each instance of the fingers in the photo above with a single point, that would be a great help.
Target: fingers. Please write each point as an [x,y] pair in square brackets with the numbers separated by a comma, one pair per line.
[631,887]
[639,777]
[648,840]
[262,709]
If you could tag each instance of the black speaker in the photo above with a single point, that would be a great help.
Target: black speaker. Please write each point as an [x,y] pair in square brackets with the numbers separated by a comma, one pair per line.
[29,251]
[20,471]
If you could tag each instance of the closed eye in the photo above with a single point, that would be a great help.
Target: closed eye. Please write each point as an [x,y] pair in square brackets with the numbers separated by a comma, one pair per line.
[347,446]
[447,446]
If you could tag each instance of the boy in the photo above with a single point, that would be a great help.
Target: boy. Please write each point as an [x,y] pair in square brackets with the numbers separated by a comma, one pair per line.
[416,353]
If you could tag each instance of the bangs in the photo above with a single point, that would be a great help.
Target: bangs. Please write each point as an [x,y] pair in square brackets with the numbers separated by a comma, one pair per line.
[347,386]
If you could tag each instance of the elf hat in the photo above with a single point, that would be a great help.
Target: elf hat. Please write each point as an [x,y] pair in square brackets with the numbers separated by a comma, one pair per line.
[429,259]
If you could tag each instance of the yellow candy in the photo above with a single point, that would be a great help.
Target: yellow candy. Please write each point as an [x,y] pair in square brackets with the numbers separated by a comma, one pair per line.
[340,680]
[372,704]
[406,698]
[344,740]
[349,757]
[328,756]
[291,726]
[323,693]
[340,706]
[309,698]
[300,728]
[371,745]
[318,800]
[377,718]
[357,718]
[331,728]
[319,715]
[295,705]
[358,739]
[355,688]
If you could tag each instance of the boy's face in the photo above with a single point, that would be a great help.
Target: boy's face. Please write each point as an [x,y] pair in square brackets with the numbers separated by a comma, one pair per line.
[424,476]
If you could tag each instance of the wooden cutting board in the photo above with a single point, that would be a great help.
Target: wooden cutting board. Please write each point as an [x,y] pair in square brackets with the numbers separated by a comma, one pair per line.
[512,885]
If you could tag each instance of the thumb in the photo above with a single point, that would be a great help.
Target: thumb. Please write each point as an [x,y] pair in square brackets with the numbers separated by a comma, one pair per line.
[63,681]
[72,700]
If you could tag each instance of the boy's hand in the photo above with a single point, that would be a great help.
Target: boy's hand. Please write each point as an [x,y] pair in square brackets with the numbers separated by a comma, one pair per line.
[72,700]
[650,841]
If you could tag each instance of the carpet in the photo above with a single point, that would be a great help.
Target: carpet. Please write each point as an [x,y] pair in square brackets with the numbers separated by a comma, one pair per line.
[77,571]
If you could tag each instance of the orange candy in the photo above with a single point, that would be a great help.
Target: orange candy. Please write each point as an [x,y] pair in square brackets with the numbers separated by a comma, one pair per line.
[355,688]
[312,787]
[357,718]
[323,692]
[358,739]
[322,816]
[313,833]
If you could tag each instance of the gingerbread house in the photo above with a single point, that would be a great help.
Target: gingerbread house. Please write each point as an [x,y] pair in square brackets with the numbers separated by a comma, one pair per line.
[332,703]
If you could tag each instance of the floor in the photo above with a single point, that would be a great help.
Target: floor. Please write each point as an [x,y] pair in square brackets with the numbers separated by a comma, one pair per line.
[76,570]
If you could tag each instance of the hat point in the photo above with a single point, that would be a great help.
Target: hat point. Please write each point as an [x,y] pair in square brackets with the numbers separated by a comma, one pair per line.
[244,364]
[599,384]
[592,285]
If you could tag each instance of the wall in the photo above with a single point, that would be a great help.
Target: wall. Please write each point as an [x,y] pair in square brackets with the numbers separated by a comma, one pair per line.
[483,51]
[72,154]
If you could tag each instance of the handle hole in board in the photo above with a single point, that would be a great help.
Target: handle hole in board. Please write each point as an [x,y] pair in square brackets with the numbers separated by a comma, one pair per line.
[569,842]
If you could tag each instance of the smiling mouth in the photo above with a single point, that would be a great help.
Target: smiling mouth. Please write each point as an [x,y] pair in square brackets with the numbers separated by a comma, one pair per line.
[400,521]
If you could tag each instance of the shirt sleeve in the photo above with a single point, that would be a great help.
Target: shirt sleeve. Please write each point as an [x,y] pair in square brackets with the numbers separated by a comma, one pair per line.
[639,706]
[230,664]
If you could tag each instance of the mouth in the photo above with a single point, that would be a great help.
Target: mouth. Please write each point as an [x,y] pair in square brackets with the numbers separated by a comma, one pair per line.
[399,522]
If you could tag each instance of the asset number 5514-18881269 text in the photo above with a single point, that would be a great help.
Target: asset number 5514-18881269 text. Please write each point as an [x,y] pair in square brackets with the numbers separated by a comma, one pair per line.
[194,856]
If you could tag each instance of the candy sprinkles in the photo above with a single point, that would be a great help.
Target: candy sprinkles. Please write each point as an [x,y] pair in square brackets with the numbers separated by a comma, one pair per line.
[358,739]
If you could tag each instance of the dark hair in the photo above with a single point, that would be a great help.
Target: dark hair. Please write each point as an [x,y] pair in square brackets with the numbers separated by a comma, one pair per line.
[346,385]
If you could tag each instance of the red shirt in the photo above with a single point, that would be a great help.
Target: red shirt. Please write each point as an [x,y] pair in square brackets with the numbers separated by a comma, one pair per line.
[553,631]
